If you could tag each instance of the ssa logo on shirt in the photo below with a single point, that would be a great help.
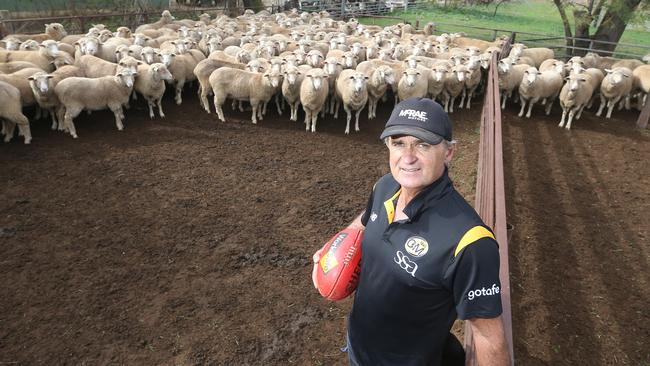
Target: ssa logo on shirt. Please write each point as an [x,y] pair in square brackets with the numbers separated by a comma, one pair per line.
[490,291]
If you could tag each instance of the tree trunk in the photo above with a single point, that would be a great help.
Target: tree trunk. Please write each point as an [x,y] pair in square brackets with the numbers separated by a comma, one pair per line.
[565,22]
[582,19]
[613,25]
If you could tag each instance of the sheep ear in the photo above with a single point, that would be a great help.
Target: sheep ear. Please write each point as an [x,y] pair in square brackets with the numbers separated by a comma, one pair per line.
[367,77]
[30,78]
[566,78]
[140,63]
[404,73]
[50,76]
[418,73]
[608,71]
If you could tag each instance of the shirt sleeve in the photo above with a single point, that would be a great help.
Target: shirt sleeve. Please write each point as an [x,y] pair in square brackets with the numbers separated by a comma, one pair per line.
[476,285]
[366,214]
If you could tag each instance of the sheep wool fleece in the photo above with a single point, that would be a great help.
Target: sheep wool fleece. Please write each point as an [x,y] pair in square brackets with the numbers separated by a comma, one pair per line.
[418,275]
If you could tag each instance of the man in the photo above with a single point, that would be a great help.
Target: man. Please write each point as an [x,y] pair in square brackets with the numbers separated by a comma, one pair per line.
[427,258]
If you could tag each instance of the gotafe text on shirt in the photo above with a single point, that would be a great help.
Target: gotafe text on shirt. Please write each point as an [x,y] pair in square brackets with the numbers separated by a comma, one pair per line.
[490,291]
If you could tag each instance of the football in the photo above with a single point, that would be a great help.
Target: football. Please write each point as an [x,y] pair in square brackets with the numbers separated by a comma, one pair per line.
[339,267]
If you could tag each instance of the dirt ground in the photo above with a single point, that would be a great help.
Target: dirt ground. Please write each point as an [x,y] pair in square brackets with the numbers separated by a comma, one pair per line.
[187,241]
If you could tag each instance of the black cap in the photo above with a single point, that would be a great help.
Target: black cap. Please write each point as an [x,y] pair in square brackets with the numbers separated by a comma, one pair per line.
[419,117]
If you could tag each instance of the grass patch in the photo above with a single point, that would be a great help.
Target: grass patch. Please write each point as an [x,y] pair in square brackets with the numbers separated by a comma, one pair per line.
[531,16]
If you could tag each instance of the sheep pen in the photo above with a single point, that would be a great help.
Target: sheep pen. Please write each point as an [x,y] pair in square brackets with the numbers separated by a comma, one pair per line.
[156,244]
[188,240]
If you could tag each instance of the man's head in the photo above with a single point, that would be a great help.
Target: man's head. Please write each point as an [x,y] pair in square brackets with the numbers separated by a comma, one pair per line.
[419,137]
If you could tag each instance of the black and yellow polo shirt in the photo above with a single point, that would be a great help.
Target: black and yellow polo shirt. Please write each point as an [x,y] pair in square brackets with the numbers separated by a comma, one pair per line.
[419,275]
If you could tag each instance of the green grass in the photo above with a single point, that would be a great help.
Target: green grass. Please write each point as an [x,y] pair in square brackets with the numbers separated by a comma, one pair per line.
[533,16]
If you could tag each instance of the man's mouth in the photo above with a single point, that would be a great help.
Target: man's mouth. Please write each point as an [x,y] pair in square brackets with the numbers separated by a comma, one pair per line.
[409,170]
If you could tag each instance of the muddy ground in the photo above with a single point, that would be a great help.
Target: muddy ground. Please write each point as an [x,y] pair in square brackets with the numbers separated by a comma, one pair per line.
[187,241]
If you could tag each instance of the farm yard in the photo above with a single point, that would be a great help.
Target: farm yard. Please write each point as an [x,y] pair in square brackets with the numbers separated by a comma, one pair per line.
[186,240]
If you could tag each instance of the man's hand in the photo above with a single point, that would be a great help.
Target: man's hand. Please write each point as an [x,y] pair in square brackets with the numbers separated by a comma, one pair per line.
[316,259]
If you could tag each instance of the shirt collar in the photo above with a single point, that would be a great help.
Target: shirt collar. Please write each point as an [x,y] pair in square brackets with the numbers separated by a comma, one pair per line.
[429,196]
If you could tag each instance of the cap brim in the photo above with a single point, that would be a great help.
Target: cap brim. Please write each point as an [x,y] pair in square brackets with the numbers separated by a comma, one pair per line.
[420,133]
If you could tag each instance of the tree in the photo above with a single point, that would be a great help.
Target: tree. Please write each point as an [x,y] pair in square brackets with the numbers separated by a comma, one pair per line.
[609,17]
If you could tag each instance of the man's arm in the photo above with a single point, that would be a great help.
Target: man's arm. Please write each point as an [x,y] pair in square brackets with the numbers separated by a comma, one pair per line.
[490,341]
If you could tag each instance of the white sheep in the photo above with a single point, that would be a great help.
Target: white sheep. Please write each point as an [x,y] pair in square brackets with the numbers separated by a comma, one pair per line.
[181,67]
[54,31]
[291,89]
[95,67]
[536,86]
[380,79]
[574,96]
[10,43]
[244,86]
[10,67]
[414,83]
[510,76]
[203,70]
[151,84]
[437,78]
[43,84]
[641,77]
[472,80]
[42,58]
[11,113]
[454,86]
[538,55]
[77,94]
[352,91]
[615,87]
[313,92]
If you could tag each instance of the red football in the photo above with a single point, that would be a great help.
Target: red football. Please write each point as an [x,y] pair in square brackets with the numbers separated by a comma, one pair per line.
[339,267]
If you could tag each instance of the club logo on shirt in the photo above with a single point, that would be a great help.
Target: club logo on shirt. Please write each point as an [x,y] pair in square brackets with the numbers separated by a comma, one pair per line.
[416,246]
[373,217]
[490,291]
[405,263]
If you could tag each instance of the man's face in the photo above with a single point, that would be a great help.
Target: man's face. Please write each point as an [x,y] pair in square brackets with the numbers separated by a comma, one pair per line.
[415,164]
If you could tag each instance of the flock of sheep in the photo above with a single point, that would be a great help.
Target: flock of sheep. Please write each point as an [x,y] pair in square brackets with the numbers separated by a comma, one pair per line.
[292,59]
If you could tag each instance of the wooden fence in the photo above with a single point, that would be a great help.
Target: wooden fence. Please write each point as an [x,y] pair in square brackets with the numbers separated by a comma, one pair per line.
[491,200]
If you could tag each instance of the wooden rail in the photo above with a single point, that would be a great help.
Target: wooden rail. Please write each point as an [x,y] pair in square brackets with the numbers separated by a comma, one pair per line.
[491,200]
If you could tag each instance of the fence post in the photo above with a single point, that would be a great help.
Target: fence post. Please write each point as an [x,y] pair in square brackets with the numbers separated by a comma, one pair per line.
[5,27]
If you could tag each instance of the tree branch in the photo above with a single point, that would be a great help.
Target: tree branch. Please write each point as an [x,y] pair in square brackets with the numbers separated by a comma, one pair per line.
[565,22]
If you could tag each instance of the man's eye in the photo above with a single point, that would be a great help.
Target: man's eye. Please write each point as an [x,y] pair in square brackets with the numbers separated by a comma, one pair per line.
[424,146]
[397,144]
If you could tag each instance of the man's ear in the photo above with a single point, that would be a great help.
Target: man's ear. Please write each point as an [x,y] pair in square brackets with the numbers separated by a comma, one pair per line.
[449,154]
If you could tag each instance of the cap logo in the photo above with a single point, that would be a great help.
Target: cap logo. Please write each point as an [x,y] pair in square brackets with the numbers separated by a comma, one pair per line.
[413,114]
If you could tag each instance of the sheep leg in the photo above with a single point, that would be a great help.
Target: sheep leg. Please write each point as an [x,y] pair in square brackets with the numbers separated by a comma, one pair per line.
[150,104]
[349,115]
[255,107]
[462,99]
[603,101]
[571,112]
[71,113]
[260,112]
[294,111]
[563,115]
[204,100]
[314,118]
[503,101]
[308,119]
[263,107]
[610,106]
[522,101]
[549,105]
[531,103]
[451,104]
[582,107]
[53,116]
[217,106]
[336,108]
[469,99]
[8,128]
[117,111]
[23,128]
[241,106]
[160,111]
[277,104]
[356,122]
[179,92]
[370,100]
